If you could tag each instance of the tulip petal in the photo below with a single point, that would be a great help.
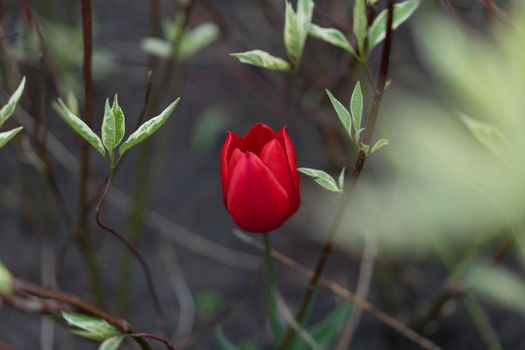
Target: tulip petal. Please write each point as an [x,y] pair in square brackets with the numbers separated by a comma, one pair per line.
[258,136]
[275,159]
[232,142]
[285,141]
[256,200]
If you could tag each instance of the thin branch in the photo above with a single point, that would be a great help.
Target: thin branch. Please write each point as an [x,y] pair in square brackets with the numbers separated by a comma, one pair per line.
[343,292]
[154,337]
[136,253]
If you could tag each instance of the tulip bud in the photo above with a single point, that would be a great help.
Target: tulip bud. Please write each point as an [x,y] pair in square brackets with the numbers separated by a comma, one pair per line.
[6,281]
[260,184]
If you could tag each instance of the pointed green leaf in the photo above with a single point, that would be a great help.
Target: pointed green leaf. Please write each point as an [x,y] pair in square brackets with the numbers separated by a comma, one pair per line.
[111,343]
[224,343]
[197,39]
[80,127]
[9,108]
[331,36]
[365,148]
[402,12]
[322,178]
[156,47]
[325,332]
[296,27]
[341,179]
[360,24]
[379,144]
[358,135]
[90,327]
[148,128]
[6,136]
[342,113]
[113,125]
[488,135]
[498,285]
[262,59]
[356,106]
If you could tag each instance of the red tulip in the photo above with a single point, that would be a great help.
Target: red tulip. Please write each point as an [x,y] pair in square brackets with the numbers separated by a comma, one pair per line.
[260,184]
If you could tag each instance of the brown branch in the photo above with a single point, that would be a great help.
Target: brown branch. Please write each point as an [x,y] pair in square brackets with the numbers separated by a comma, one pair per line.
[343,292]
[136,253]
[72,302]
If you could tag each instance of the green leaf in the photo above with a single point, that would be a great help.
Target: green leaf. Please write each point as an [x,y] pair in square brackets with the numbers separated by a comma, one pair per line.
[322,178]
[402,12]
[6,281]
[80,127]
[379,144]
[197,39]
[90,327]
[499,285]
[365,148]
[358,135]
[356,106]
[262,59]
[341,179]
[112,343]
[156,47]
[342,113]
[9,108]
[332,36]
[326,331]
[296,28]
[6,136]
[148,128]
[360,24]
[224,343]
[488,135]
[113,125]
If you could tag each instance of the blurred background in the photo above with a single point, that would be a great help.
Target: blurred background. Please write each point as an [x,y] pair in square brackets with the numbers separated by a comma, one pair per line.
[432,235]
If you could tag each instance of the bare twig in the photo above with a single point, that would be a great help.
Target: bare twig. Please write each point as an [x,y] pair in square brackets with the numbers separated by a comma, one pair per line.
[343,292]
[136,253]
[363,286]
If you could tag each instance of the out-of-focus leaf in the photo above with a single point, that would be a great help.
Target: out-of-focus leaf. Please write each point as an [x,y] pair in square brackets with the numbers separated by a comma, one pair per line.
[499,285]
[332,36]
[197,39]
[402,12]
[488,135]
[156,47]
[262,59]
[343,113]
[296,27]
[148,128]
[224,343]
[6,281]
[326,331]
[112,343]
[341,178]
[9,108]
[360,24]
[6,136]
[80,127]
[322,178]
[208,128]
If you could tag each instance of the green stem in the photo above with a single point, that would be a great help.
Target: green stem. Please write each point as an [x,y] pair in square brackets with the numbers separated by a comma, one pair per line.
[270,279]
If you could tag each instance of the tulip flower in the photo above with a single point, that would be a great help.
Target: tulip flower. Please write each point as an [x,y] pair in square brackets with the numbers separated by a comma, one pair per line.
[260,183]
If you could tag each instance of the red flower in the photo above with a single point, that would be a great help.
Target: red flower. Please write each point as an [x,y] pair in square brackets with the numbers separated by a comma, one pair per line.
[260,184]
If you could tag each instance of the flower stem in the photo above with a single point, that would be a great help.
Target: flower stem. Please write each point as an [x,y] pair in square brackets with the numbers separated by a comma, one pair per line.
[270,277]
